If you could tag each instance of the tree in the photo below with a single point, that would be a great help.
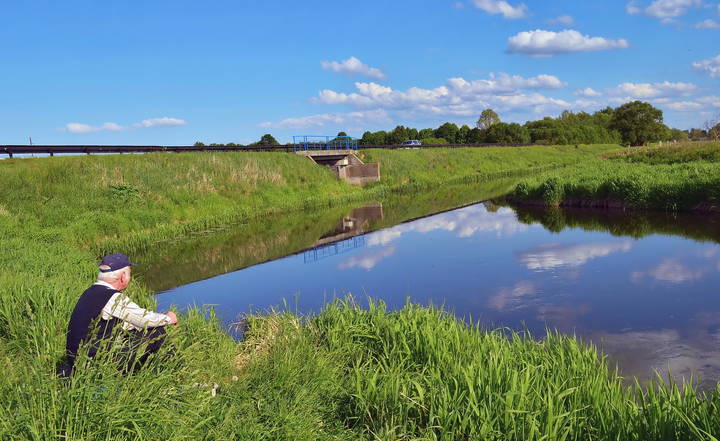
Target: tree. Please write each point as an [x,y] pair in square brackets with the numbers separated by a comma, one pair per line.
[448,132]
[713,128]
[463,135]
[376,138]
[342,134]
[697,134]
[488,117]
[199,144]
[426,133]
[476,136]
[714,132]
[638,123]
[504,133]
[267,139]
[433,141]
[678,135]
[398,135]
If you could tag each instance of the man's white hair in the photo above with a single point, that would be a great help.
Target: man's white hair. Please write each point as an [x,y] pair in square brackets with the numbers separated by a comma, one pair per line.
[113,276]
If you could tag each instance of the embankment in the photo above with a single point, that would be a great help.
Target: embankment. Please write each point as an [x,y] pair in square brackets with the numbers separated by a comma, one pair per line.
[322,379]
[673,179]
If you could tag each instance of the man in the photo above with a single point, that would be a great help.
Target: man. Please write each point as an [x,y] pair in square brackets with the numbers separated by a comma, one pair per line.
[105,304]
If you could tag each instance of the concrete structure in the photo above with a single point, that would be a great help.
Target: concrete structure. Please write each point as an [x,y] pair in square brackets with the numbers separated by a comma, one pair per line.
[347,235]
[345,164]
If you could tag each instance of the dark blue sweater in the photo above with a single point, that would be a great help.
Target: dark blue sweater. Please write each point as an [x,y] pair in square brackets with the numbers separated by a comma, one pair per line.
[88,311]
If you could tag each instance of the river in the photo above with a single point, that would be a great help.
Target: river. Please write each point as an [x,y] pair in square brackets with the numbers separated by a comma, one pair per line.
[643,288]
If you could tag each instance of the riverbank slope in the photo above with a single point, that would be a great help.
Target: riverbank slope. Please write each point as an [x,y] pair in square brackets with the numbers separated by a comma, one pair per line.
[673,178]
[58,215]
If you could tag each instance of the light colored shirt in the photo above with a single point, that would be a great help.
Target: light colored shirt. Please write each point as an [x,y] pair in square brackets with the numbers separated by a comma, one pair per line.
[132,315]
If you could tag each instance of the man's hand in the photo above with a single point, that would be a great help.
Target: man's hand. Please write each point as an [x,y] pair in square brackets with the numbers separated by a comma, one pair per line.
[173,317]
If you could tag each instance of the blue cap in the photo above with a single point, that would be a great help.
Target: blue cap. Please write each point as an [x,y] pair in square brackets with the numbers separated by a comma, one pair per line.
[114,262]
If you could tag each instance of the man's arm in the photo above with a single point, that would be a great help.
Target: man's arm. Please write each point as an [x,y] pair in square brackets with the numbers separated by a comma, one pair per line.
[122,307]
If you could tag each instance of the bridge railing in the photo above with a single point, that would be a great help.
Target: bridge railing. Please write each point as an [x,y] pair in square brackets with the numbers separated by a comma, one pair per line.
[322,142]
[52,150]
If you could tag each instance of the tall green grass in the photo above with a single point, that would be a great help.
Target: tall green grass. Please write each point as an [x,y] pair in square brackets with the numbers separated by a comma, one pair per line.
[421,373]
[708,151]
[346,374]
[669,187]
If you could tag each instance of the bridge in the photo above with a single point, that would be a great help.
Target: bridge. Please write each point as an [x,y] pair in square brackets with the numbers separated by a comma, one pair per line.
[347,235]
[15,149]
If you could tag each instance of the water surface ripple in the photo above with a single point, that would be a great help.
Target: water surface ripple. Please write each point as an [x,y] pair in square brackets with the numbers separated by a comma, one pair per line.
[643,288]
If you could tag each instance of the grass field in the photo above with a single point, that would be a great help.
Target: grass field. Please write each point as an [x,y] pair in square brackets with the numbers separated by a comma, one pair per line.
[682,178]
[345,374]
[708,151]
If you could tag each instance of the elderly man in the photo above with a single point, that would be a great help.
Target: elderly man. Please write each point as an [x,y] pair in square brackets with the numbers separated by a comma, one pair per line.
[105,304]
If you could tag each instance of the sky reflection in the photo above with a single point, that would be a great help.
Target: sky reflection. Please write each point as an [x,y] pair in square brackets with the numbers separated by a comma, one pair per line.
[647,302]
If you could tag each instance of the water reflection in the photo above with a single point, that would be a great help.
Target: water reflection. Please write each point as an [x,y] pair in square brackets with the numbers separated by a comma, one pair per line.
[671,271]
[555,255]
[642,288]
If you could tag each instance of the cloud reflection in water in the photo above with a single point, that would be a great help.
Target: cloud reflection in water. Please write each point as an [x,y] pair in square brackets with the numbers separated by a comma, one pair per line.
[466,222]
[550,256]
[670,270]
[367,259]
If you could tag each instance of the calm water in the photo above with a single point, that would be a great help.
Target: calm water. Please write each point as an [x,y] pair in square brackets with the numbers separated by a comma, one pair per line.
[645,289]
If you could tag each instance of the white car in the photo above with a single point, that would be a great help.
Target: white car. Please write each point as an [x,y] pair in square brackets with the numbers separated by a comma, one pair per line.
[411,143]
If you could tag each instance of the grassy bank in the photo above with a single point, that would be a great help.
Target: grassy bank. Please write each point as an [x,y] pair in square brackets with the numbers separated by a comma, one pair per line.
[420,373]
[682,178]
[346,374]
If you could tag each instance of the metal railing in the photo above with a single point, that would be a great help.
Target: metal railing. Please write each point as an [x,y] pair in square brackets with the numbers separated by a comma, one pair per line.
[52,150]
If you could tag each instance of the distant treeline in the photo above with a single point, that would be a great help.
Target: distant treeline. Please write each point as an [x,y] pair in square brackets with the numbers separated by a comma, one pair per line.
[633,123]
[607,126]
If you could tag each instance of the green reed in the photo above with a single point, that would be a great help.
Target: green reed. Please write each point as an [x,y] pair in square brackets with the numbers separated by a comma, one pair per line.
[348,373]
[669,187]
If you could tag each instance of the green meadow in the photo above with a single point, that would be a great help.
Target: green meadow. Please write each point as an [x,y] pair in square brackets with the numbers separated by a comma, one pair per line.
[346,373]
[680,178]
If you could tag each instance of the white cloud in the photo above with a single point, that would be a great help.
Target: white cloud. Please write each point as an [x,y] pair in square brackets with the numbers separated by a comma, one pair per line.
[353,66]
[540,43]
[667,10]
[708,24]
[566,20]
[710,66]
[457,97]
[587,92]
[629,91]
[685,106]
[664,10]
[75,127]
[161,122]
[631,8]
[359,119]
[501,7]
[552,256]
[710,100]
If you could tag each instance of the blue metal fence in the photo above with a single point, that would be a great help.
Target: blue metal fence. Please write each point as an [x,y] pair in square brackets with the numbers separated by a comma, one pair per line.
[333,249]
[322,142]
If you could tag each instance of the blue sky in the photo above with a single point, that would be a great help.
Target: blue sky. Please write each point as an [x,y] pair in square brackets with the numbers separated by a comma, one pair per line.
[162,72]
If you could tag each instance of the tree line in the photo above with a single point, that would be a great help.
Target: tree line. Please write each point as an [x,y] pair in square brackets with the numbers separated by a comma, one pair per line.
[635,123]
